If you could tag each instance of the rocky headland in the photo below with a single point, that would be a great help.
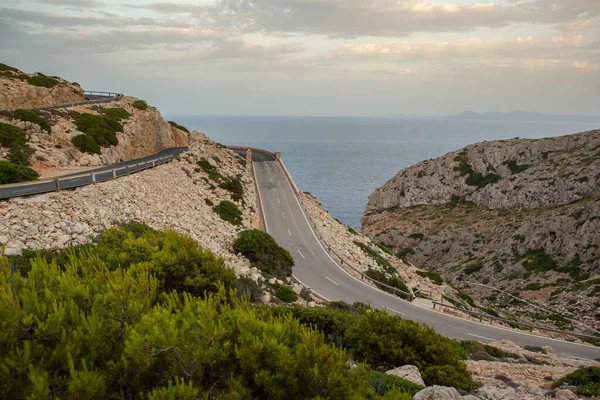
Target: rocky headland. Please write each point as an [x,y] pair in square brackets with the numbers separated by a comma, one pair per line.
[513,223]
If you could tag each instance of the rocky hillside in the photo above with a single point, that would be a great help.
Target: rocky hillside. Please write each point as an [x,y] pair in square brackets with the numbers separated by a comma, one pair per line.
[121,130]
[22,90]
[520,216]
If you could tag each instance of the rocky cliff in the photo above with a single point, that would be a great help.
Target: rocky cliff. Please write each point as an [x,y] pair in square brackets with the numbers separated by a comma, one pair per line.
[22,90]
[514,223]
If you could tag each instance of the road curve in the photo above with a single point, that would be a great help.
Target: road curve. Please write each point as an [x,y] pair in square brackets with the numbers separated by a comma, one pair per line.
[102,174]
[287,223]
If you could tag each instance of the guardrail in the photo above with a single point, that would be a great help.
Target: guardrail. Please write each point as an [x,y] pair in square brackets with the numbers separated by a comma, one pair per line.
[79,179]
[481,316]
[104,97]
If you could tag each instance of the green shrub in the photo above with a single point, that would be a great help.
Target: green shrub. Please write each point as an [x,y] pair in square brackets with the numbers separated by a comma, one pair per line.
[85,330]
[480,180]
[467,298]
[176,125]
[101,128]
[382,383]
[116,114]
[264,253]
[537,260]
[30,116]
[333,323]
[516,168]
[11,173]
[432,276]
[248,290]
[229,212]
[140,105]
[11,135]
[4,67]
[473,267]
[212,172]
[375,255]
[416,235]
[472,347]
[393,281]
[401,254]
[586,379]
[20,155]
[286,294]
[352,231]
[85,144]
[383,247]
[233,185]
[41,80]
[380,339]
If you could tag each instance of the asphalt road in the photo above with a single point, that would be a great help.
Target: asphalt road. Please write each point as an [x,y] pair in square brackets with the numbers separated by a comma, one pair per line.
[286,222]
[102,174]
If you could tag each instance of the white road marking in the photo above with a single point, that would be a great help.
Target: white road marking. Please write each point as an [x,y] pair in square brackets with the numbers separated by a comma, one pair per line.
[283,215]
[274,189]
[332,281]
[391,309]
[289,232]
[481,337]
[301,253]
[271,179]
[278,202]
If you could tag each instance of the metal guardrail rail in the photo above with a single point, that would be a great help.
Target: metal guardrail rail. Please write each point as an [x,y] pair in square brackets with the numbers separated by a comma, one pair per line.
[94,98]
[85,178]
[481,316]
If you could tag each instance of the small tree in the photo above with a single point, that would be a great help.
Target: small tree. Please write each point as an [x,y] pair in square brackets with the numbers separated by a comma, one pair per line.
[264,253]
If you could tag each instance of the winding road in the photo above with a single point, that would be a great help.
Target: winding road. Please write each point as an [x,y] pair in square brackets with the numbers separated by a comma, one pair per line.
[286,222]
[85,178]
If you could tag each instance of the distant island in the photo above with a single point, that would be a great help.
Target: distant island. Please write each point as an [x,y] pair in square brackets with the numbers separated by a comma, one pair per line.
[524,116]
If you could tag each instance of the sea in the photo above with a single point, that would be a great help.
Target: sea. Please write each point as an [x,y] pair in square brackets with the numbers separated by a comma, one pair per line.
[341,160]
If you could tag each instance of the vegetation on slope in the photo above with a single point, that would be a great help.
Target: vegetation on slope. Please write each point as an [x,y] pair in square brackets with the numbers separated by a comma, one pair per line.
[15,170]
[149,314]
[176,125]
[264,253]
[31,116]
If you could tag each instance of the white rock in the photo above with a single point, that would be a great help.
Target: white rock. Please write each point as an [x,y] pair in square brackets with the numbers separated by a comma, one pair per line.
[409,372]
[565,394]
[438,393]
[296,288]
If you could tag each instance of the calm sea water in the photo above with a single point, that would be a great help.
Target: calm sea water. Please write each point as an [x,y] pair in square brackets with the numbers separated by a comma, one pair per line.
[341,160]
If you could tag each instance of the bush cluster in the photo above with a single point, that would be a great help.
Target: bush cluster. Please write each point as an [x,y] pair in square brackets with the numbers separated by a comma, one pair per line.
[20,155]
[30,116]
[115,320]
[176,125]
[473,178]
[402,253]
[140,105]
[393,281]
[264,253]
[386,341]
[85,144]
[116,114]
[432,276]
[4,67]
[212,172]
[12,173]
[11,135]
[42,80]
[286,294]
[229,212]
[586,379]
[102,129]
[516,168]
[380,260]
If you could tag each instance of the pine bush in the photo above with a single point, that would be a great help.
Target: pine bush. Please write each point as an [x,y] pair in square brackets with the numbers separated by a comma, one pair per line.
[11,135]
[264,253]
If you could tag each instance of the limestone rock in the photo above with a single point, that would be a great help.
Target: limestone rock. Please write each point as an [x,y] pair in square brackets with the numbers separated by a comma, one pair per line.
[437,393]
[565,394]
[408,372]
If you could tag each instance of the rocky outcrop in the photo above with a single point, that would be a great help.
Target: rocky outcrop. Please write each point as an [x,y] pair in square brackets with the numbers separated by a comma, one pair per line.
[529,230]
[17,92]
[145,133]
[408,372]
[162,197]
[438,393]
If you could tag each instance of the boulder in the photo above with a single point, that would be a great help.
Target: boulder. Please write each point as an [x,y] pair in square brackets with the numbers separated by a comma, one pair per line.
[408,372]
[438,393]
[565,394]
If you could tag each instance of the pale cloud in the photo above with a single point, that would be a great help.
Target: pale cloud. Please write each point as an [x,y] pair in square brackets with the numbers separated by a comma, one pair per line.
[353,18]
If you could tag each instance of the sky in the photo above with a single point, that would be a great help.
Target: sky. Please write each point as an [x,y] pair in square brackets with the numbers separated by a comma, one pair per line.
[317,57]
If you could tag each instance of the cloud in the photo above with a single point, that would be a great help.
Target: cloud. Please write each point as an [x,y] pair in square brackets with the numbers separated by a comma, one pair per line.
[392,18]
[74,3]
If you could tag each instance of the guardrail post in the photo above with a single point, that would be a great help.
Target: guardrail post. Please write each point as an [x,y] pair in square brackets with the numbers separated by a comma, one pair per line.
[127,170]
[57,183]
[114,171]
[153,163]
[94,178]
